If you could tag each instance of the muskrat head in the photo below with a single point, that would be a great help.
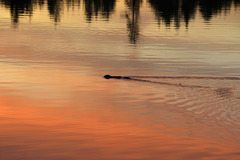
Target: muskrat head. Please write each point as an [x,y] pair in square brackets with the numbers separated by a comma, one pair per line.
[107,76]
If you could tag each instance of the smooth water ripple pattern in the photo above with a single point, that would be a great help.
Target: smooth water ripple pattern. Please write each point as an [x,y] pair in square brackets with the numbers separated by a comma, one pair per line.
[55,105]
[216,105]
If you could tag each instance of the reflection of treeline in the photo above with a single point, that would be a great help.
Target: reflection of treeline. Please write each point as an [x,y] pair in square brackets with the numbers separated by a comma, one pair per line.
[20,8]
[95,7]
[173,11]
[213,7]
[17,8]
[166,11]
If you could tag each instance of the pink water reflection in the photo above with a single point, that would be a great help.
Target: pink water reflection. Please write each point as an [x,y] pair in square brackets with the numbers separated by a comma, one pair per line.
[103,132]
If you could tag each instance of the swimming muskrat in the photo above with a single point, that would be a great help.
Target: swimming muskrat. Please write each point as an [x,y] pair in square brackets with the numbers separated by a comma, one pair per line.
[116,77]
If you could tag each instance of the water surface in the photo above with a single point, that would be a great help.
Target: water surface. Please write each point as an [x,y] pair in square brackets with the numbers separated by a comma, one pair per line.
[182,101]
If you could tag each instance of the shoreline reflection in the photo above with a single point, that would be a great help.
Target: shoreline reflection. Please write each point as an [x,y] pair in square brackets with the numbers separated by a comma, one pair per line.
[172,11]
[95,7]
[167,13]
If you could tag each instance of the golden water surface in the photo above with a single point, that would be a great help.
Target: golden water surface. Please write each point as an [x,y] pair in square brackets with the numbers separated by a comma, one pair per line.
[181,101]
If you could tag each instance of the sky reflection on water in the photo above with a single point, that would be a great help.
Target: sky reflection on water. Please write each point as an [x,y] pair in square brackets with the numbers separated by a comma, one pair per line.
[55,103]
[169,13]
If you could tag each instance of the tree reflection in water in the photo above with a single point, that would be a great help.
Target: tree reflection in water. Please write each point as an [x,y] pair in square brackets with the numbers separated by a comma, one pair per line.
[55,8]
[18,8]
[170,12]
[167,11]
[95,7]
[132,17]
[173,11]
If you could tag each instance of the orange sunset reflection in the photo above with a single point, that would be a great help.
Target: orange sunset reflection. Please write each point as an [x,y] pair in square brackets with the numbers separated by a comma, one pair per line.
[68,133]
[174,93]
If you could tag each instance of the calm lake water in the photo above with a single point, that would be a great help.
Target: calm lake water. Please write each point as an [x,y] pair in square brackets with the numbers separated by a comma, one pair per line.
[182,100]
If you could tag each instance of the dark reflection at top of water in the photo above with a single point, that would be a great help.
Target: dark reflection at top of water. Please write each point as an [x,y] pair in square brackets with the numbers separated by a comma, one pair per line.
[167,13]
[18,8]
[132,16]
[171,11]
[54,7]
[94,7]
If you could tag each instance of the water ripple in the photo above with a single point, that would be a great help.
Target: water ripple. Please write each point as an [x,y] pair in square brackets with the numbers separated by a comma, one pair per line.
[215,99]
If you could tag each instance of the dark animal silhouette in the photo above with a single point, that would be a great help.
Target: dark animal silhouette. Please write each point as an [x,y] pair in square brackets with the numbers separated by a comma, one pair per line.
[116,77]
